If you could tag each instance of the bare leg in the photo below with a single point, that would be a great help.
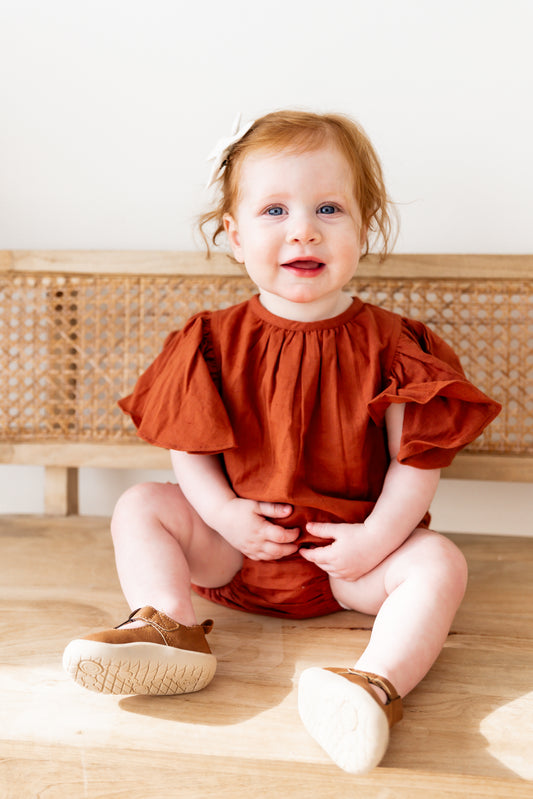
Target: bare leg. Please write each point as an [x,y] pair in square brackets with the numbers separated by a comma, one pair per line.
[161,545]
[415,593]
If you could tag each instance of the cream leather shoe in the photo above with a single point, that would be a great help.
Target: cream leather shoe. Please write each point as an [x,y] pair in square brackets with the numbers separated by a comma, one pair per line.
[344,715]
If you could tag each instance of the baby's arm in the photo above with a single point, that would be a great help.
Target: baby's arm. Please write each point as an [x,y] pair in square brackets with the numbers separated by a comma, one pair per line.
[407,491]
[242,522]
[406,496]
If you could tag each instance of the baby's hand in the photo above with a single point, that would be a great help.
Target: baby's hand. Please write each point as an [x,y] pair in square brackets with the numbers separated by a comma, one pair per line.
[348,557]
[244,524]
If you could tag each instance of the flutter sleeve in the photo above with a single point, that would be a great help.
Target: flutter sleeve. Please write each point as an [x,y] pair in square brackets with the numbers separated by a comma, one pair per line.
[176,404]
[444,411]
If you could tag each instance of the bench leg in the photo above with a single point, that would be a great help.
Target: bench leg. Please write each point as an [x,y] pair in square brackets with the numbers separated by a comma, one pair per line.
[60,491]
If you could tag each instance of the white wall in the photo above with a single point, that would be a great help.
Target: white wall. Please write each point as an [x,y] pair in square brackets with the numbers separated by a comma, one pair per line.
[109,108]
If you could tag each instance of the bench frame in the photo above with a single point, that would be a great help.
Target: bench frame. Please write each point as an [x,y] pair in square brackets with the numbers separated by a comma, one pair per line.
[62,459]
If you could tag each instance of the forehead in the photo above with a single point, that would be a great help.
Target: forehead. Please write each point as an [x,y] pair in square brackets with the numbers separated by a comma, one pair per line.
[322,169]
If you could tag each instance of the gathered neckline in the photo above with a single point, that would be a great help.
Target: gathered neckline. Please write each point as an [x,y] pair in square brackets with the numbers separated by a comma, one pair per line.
[291,324]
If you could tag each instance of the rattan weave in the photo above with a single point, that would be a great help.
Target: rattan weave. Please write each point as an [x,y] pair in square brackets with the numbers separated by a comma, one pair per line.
[71,345]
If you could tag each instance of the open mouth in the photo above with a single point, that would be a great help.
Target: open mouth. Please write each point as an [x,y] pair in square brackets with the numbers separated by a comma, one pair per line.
[304,267]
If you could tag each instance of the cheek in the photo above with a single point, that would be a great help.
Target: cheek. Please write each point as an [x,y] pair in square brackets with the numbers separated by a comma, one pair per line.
[258,241]
[349,253]
[349,246]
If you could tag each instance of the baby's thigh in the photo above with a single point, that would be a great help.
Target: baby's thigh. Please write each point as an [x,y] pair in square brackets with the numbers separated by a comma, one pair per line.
[212,561]
[161,509]
[426,559]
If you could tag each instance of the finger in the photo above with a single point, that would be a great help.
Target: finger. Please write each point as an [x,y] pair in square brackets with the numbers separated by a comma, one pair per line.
[272,551]
[321,529]
[279,535]
[318,555]
[274,510]
[322,563]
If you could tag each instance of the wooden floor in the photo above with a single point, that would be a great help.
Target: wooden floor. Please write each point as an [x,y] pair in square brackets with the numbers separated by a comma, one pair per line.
[467,730]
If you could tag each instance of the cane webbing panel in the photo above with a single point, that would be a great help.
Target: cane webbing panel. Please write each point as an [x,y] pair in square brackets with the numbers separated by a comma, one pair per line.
[71,345]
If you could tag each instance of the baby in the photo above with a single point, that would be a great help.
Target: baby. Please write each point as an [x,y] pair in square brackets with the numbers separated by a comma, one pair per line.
[307,430]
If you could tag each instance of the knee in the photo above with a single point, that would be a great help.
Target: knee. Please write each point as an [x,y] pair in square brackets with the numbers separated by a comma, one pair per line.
[136,502]
[436,565]
[446,565]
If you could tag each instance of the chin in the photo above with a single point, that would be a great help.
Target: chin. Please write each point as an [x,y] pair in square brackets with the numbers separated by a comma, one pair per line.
[300,295]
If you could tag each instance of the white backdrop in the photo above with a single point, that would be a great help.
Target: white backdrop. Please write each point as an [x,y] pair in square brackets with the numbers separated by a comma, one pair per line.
[109,108]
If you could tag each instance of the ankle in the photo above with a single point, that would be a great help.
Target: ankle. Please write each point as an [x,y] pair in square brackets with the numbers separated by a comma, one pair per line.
[181,615]
[380,693]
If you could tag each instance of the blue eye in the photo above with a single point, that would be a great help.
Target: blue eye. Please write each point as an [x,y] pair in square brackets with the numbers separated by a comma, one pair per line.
[276,210]
[328,209]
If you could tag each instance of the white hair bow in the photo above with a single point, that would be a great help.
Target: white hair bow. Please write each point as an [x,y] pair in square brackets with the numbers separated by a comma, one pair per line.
[221,149]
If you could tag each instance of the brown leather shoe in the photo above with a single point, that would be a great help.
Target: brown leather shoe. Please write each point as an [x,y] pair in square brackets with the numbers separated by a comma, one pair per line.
[161,657]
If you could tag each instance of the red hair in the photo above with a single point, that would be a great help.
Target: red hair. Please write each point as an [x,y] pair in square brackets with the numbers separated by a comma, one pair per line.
[301,131]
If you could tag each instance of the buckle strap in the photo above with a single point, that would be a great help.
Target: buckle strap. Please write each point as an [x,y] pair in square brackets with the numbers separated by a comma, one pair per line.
[393,708]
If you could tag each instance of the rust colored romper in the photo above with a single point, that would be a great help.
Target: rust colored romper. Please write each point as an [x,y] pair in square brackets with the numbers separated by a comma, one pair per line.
[296,411]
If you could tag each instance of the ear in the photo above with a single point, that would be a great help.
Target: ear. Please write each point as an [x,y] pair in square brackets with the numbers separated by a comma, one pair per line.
[232,231]
[363,235]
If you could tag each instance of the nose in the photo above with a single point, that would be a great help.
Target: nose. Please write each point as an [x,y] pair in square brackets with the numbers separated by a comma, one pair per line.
[303,230]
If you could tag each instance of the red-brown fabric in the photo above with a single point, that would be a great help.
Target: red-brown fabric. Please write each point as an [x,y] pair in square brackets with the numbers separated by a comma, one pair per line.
[297,411]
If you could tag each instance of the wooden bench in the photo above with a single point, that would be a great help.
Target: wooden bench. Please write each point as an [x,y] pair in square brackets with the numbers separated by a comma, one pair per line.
[77,328]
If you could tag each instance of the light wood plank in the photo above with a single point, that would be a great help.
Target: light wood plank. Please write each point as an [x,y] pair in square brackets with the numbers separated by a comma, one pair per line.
[60,491]
[134,262]
[184,262]
[132,774]
[499,467]
[469,466]
[466,732]
[77,454]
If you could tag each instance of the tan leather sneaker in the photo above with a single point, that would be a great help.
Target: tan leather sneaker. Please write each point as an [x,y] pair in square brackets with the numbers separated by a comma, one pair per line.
[161,657]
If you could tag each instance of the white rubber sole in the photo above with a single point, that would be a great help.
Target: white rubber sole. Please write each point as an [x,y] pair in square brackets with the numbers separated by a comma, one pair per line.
[344,719]
[137,668]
